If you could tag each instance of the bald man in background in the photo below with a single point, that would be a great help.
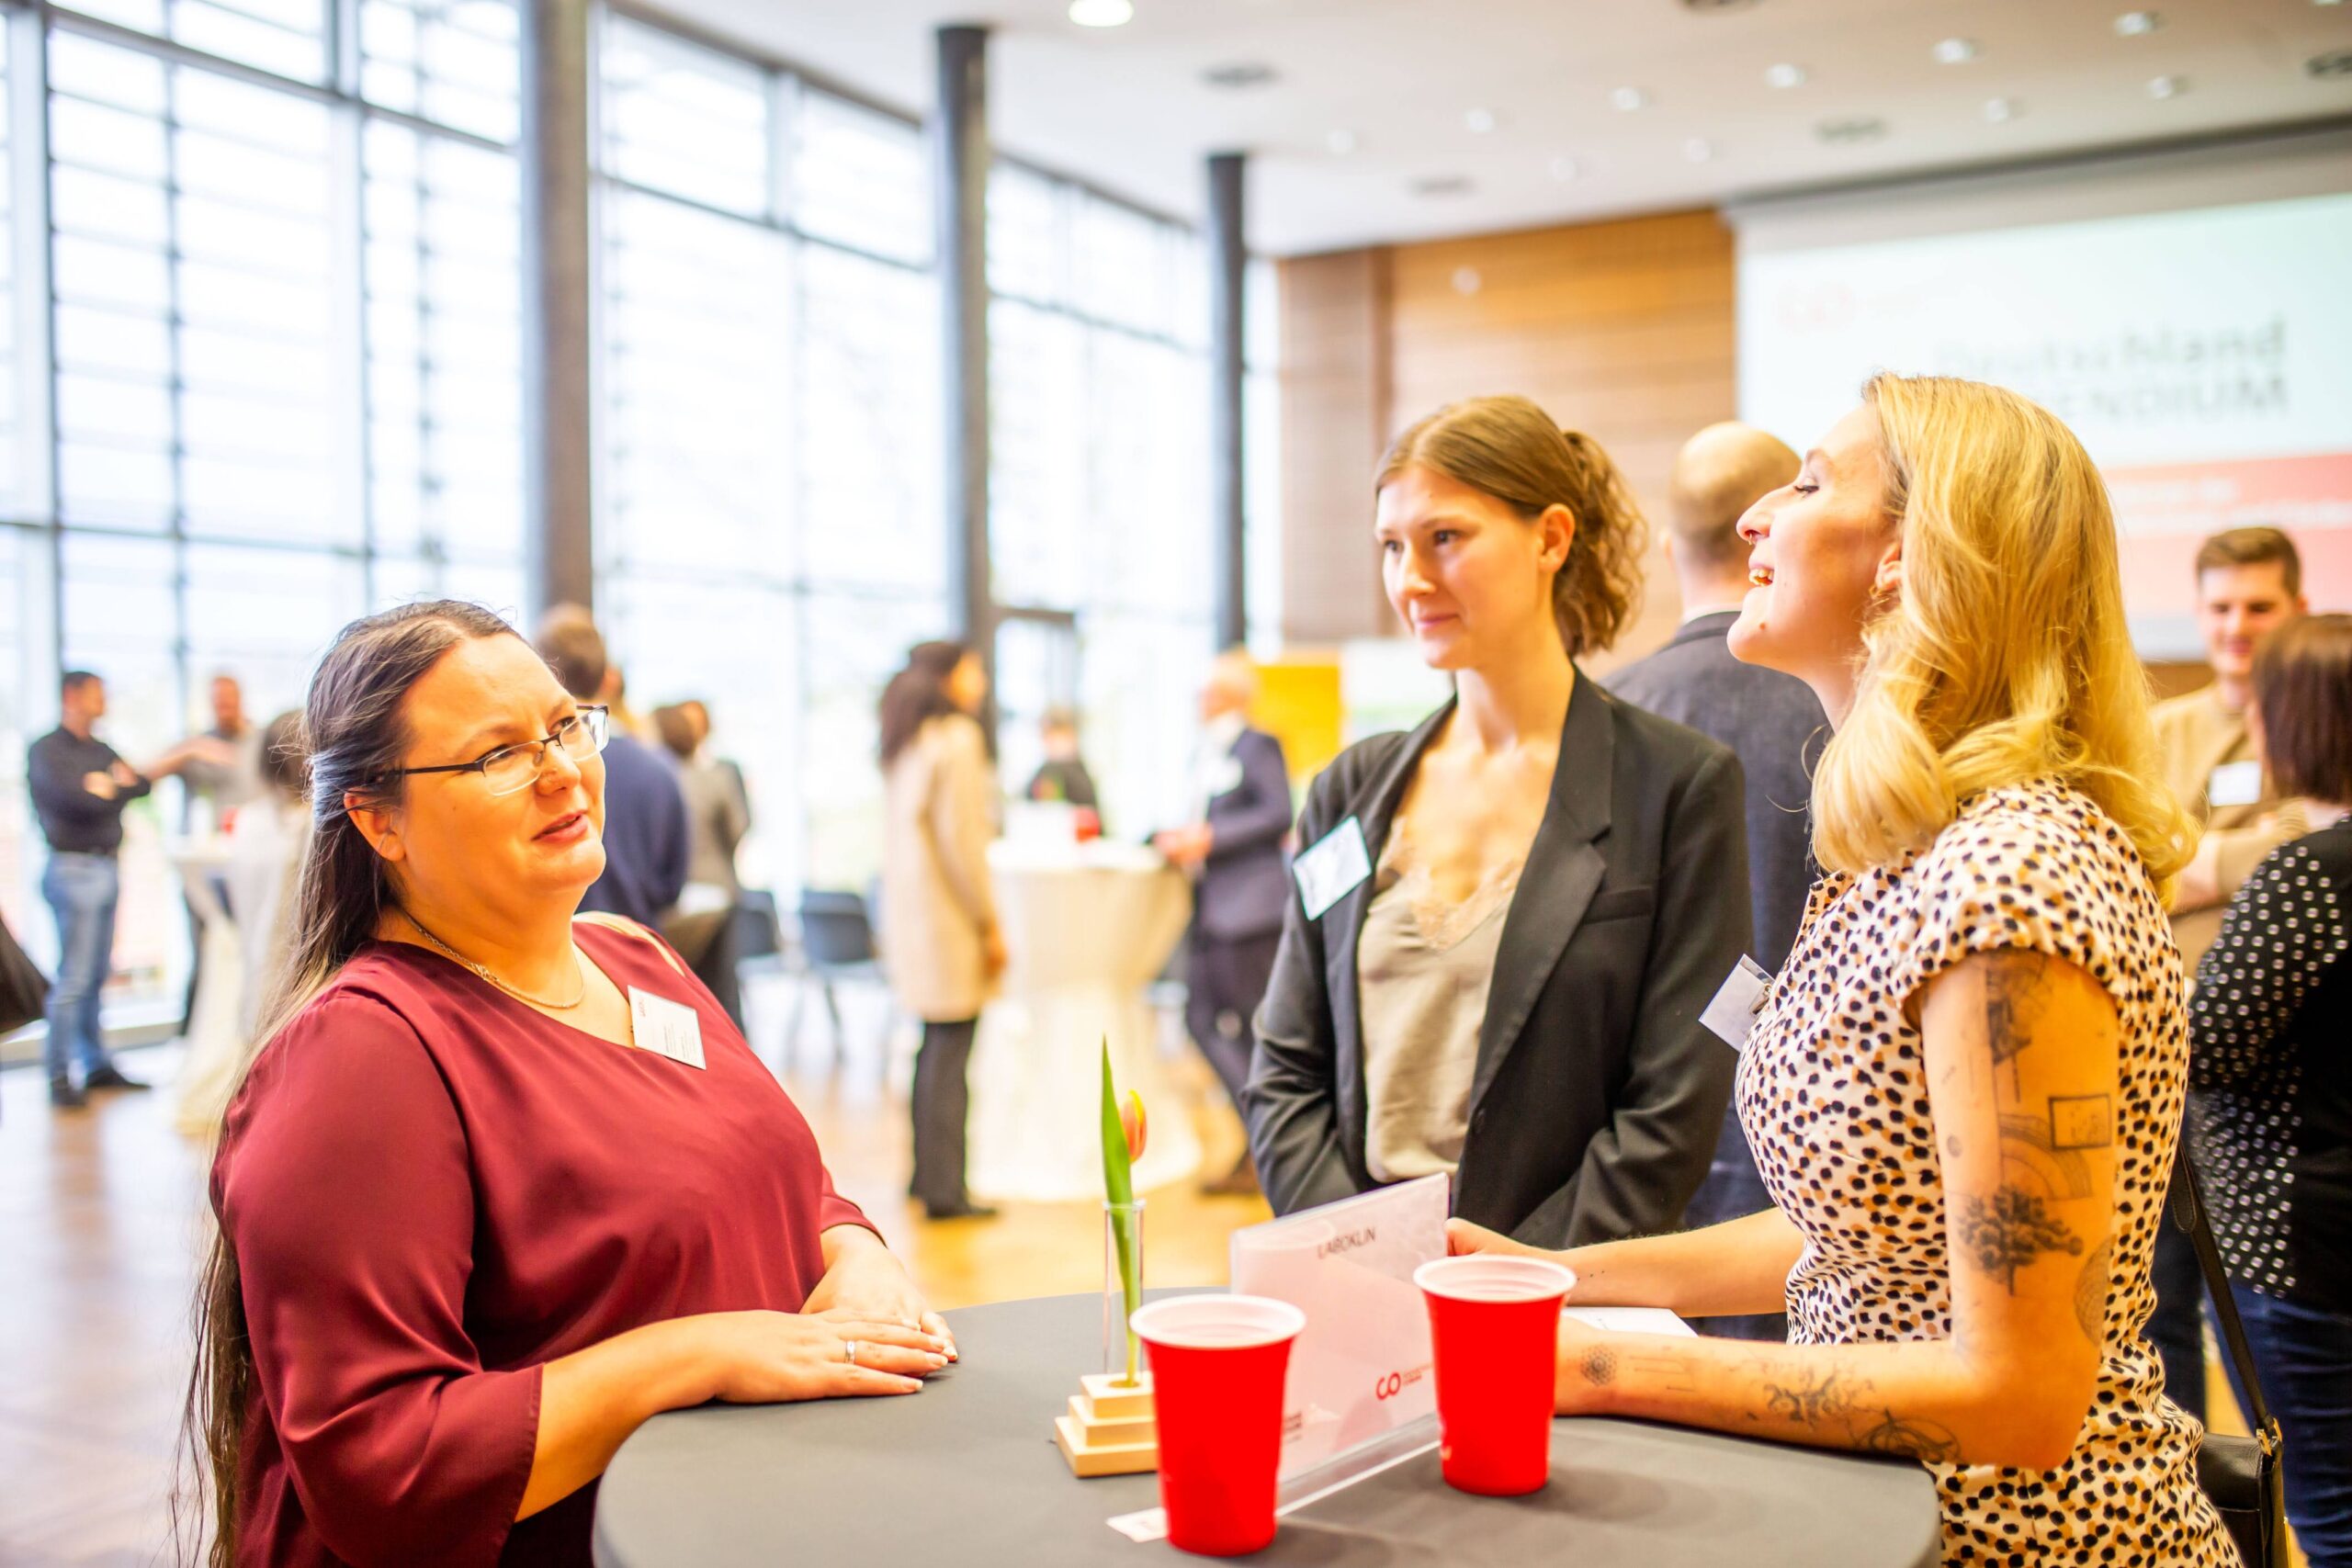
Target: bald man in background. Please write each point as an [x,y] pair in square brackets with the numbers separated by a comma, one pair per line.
[1772,721]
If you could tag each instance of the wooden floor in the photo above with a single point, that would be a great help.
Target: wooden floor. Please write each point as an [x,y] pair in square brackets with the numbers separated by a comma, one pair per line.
[101,1213]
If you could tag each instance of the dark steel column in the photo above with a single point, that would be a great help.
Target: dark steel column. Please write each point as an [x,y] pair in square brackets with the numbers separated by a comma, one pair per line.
[1228,257]
[959,140]
[559,557]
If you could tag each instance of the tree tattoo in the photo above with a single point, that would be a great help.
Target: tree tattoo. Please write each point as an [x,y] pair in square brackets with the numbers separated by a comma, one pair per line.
[2013,1230]
[1600,1366]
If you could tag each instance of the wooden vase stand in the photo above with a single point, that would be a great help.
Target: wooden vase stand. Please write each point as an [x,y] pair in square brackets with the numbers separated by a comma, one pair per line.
[1110,1428]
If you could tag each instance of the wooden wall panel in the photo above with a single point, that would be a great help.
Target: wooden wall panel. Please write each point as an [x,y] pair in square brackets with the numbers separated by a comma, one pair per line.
[1624,330]
[1334,400]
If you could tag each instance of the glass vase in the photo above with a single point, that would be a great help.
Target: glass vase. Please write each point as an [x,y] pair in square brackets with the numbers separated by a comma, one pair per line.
[1121,1285]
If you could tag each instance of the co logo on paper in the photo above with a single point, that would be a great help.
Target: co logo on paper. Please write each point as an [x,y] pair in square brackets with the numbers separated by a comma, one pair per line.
[1395,1383]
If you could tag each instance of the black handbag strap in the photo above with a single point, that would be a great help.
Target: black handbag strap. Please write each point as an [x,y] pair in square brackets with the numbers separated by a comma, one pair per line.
[2191,1211]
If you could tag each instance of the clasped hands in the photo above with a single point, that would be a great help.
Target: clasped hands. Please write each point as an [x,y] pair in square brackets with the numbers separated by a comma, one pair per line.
[866,1302]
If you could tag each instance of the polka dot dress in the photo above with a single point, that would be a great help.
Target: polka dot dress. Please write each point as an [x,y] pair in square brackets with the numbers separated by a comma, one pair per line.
[2272,996]
[1833,1094]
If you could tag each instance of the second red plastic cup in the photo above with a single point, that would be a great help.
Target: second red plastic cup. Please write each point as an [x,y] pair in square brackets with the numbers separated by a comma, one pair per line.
[1494,1325]
[1217,1366]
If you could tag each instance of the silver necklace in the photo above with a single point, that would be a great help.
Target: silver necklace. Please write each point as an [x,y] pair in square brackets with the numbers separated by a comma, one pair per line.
[484,972]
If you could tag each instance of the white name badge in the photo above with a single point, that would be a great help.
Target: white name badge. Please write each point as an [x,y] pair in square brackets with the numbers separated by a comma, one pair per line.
[2234,783]
[1741,997]
[1332,868]
[665,1028]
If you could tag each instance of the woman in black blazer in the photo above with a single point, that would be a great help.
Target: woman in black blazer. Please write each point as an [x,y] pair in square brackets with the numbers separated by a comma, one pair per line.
[1507,922]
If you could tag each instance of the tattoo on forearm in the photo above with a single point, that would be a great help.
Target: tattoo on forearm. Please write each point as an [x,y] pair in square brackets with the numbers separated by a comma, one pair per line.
[2012,1230]
[1837,1406]
[1599,1366]
[2091,1292]
[1811,1397]
[1893,1434]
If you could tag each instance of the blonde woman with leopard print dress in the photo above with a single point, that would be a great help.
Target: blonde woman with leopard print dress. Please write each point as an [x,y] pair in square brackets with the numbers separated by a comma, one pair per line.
[1964,1089]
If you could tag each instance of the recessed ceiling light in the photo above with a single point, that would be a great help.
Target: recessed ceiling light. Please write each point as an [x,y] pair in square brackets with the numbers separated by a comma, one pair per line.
[1101,13]
[1999,109]
[1955,51]
[2131,23]
[1630,98]
[2167,86]
[1849,133]
[1698,149]
[1442,185]
[1479,121]
[1240,73]
[1340,142]
[1784,77]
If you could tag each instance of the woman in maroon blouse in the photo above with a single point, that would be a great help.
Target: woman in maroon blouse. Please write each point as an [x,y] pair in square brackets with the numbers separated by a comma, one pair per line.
[499,1186]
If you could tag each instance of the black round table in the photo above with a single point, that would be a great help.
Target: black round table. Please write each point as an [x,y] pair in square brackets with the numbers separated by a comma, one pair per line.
[966,1473]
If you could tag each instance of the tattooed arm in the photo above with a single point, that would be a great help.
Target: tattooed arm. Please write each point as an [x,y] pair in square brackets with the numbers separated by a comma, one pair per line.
[2021,1054]
[1739,1266]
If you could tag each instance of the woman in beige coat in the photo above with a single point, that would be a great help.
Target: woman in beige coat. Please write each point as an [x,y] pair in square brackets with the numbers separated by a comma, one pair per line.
[940,939]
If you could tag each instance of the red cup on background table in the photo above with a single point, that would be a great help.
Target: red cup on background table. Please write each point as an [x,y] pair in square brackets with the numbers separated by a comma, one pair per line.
[1495,1326]
[1217,1367]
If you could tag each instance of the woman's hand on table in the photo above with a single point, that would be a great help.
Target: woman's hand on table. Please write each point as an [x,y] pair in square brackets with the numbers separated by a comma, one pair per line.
[865,1281]
[768,1358]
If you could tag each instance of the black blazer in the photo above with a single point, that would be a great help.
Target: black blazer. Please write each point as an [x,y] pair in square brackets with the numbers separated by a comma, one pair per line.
[1245,883]
[1597,1096]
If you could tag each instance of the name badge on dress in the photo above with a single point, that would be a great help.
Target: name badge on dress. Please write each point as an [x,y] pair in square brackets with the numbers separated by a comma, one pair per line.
[1741,997]
[665,1028]
[2234,783]
[1332,868]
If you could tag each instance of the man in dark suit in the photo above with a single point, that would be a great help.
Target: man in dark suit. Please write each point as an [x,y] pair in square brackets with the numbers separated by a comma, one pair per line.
[646,842]
[1234,850]
[1772,721]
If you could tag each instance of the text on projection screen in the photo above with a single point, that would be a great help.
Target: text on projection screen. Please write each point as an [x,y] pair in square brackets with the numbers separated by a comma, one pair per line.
[2204,358]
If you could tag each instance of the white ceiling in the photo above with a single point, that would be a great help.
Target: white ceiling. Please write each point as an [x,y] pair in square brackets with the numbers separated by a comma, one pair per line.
[1126,107]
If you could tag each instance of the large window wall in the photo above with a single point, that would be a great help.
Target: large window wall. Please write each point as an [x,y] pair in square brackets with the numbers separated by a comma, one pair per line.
[261,301]
[260,373]
[771,444]
[771,531]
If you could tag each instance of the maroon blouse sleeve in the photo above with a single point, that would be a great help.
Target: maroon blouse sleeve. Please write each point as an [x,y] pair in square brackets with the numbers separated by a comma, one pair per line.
[832,1209]
[348,1198]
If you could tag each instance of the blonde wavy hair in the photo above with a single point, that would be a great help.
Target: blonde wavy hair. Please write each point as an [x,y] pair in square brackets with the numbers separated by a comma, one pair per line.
[2006,657]
[1509,448]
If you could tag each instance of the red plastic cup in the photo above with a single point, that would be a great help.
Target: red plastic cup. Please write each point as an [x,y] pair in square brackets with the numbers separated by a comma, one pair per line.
[1217,1366]
[1495,1326]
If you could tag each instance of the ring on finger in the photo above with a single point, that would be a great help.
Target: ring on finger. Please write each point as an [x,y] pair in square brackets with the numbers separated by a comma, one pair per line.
[851,1348]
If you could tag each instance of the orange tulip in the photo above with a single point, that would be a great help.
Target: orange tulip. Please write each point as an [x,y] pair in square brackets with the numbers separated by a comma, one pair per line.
[1131,1123]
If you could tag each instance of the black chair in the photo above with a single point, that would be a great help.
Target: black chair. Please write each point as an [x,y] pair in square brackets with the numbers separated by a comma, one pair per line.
[836,945]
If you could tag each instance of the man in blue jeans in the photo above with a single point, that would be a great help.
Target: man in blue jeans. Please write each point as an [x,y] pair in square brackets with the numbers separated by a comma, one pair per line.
[80,787]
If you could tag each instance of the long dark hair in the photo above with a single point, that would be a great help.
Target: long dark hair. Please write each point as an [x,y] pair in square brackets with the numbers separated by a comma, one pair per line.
[918,695]
[354,734]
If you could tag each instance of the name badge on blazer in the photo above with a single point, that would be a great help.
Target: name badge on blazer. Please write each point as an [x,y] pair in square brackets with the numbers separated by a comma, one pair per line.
[665,1028]
[1333,868]
[2234,783]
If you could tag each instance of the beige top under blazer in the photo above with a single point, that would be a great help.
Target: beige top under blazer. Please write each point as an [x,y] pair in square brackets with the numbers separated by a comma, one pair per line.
[940,808]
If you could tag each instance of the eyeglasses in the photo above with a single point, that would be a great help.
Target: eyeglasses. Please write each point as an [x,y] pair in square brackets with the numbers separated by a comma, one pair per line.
[519,767]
